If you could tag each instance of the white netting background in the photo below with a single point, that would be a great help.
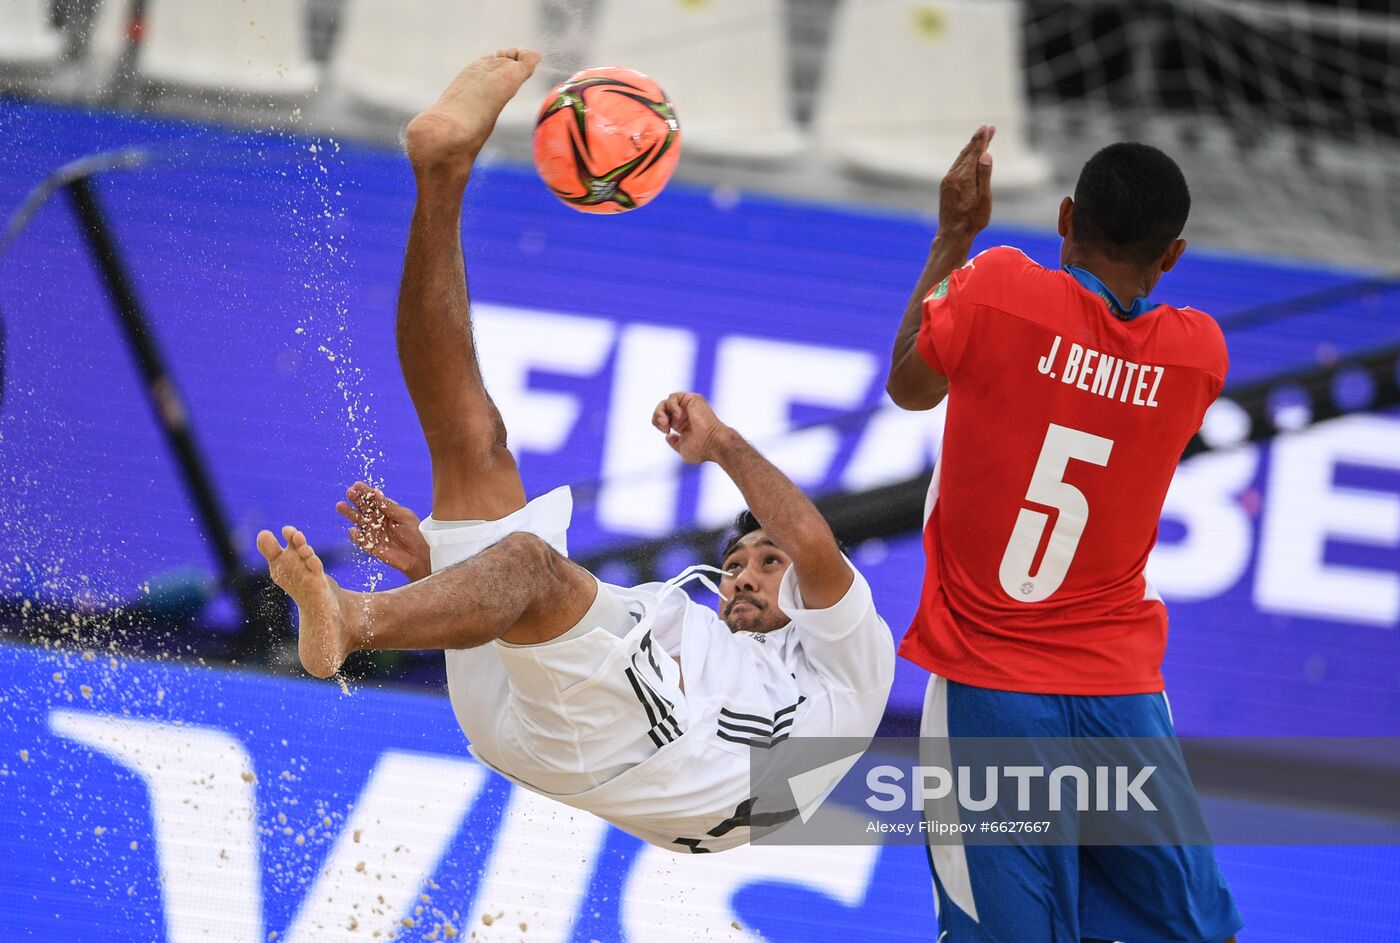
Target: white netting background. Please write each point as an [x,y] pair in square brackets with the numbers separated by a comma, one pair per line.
[1286,113]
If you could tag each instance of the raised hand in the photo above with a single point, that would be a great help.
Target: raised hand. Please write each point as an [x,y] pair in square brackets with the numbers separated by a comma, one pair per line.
[965,196]
[691,427]
[386,530]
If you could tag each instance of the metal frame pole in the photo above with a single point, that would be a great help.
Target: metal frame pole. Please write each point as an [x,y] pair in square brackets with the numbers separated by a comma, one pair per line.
[166,403]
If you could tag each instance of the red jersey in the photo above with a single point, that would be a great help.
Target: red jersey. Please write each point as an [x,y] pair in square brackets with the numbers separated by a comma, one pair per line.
[1064,427]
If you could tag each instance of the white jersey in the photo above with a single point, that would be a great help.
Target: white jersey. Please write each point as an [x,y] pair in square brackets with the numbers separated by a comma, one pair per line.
[826,674]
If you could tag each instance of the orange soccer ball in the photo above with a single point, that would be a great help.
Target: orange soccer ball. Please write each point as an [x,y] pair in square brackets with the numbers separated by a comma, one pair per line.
[607,140]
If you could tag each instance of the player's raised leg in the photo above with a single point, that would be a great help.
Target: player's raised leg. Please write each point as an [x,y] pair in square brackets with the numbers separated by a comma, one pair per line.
[474,475]
[520,590]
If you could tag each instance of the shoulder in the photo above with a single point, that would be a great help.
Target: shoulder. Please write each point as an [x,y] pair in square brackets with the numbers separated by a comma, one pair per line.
[1002,277]
[1002,262]
[1194,337]
[1198,322]
[853,619]
[856,598]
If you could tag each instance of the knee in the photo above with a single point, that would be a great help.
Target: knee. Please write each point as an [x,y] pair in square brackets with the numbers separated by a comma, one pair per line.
[550,568]
[483,440]
[528,548]
[557,591]
[479,435]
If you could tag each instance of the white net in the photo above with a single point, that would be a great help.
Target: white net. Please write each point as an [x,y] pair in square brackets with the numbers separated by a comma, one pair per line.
[1285,113]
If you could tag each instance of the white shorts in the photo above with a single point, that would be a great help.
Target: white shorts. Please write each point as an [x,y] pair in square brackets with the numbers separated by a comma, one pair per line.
[567,715]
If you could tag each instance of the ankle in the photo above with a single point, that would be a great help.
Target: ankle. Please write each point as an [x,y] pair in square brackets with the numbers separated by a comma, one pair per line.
[437,146]
[354,616]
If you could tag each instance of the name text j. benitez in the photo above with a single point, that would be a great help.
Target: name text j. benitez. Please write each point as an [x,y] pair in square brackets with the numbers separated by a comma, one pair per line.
[1103,374]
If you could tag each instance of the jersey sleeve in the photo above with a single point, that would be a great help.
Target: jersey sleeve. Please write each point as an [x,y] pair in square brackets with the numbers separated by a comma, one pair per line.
[947,320]
[848,644]
[1209,351]
[1222,358]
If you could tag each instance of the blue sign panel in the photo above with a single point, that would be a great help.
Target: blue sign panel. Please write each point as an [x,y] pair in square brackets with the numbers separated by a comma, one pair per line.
[270,266]
[176,803]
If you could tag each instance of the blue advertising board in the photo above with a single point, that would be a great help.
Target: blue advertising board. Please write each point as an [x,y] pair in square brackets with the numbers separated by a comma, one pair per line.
[173,803]
[270,262]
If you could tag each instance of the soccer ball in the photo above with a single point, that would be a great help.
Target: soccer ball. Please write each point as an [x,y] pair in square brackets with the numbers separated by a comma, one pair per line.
[607,140]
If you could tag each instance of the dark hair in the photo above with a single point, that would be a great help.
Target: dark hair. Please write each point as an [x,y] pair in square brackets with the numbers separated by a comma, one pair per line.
[1130,203]
[744,524]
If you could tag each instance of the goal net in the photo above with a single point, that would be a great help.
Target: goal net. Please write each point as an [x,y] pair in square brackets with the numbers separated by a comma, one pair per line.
[1285,113]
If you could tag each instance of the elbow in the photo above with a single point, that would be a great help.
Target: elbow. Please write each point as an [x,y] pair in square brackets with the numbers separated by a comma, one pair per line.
[912,385]
[899,394]
[911,396]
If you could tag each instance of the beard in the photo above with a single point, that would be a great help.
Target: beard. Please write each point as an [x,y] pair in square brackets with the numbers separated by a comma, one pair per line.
[753,617]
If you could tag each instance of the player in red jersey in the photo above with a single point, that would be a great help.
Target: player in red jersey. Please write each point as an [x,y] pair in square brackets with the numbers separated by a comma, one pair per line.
[1070,400]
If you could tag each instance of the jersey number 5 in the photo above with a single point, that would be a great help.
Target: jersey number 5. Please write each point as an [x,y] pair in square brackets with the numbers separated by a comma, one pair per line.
[1049,489]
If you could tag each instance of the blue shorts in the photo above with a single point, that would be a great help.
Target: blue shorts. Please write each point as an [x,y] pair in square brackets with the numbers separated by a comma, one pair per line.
[1067,894]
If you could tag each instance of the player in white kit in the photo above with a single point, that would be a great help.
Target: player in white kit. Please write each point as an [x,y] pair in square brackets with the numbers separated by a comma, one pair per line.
[639,704]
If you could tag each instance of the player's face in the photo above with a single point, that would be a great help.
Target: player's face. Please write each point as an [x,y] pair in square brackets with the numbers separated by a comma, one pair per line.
[752,573]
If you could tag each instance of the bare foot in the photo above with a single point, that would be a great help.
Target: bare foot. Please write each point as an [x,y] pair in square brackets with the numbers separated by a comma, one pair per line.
[451,132]
[323,636]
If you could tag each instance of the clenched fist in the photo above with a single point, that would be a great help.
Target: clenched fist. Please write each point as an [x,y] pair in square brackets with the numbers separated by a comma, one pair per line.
[691,427]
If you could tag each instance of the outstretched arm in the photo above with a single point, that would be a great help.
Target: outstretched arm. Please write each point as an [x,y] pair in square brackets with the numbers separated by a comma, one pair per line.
[787,516]
[965,208]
